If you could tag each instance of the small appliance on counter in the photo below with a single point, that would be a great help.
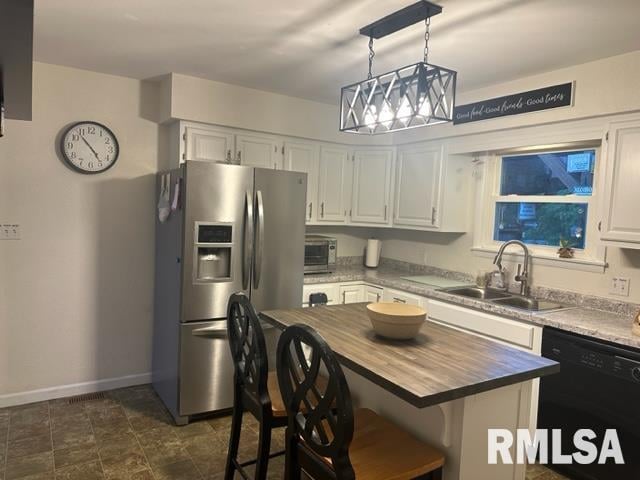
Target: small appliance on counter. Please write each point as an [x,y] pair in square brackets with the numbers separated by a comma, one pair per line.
[372,255]
[320,254]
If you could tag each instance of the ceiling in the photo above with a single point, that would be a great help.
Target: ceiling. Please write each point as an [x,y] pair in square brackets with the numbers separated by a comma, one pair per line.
[310,48]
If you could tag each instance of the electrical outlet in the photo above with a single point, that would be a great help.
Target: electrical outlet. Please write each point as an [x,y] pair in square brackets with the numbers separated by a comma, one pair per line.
[620,286]
[9,231]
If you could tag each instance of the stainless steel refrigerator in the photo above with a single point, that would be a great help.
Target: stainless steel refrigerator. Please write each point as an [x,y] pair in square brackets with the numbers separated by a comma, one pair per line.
[233,229]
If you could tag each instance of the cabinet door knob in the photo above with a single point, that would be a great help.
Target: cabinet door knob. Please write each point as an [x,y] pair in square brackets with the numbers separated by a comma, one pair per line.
[322,209]
[433,216]
[310,209]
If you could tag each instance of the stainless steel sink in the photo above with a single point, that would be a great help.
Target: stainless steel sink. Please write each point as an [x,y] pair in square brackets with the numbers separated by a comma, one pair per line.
[506,299]
[528,303]
[476,292]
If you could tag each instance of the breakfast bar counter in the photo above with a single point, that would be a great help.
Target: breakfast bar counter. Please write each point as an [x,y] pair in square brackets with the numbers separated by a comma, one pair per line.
[441,364]
[446,386]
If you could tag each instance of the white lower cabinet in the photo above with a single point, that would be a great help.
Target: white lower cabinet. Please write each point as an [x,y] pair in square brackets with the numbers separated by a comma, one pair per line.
[351,293]
[373,294]
[331,290]
[396,296]
[520,335]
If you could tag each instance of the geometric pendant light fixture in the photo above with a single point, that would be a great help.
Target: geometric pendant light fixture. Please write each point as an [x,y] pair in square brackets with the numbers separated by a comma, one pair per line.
[413,96]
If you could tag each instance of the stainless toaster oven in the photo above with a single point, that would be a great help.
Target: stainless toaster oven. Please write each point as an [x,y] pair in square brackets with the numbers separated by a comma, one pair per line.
[320,254]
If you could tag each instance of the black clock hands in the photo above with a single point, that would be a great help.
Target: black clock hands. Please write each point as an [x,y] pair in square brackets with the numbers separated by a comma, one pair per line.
[90,147]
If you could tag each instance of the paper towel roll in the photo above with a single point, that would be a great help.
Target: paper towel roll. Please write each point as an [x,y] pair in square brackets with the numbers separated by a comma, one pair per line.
[374,247]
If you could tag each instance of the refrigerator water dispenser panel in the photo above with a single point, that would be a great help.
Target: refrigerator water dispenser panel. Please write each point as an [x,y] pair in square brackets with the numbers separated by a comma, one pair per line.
[213,252]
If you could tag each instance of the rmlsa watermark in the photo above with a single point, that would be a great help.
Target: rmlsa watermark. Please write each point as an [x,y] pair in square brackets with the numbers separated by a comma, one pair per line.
[536,449]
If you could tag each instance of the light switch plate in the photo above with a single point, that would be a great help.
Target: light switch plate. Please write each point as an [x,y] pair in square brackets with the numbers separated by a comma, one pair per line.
[620,286]
[9,231]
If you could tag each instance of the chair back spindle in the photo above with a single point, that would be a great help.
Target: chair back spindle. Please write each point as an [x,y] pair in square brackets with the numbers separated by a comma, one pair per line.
[321,421]
[248,351]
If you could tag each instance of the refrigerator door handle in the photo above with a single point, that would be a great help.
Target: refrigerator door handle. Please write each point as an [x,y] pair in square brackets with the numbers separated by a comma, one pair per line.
[210,332]
[257,272]
[247,241]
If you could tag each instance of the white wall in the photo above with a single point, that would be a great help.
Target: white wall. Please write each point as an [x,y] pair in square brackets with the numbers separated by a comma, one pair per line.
[603,87]
[76,290]
[351,240]
[219,103]
[453,252]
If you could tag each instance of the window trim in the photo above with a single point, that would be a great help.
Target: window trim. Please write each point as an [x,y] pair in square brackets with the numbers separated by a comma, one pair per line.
[488,172]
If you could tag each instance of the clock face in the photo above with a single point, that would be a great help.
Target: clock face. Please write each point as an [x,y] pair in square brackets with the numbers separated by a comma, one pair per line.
[89,147]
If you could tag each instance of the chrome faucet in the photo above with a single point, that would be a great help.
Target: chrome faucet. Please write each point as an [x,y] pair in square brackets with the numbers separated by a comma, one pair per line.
[522,275]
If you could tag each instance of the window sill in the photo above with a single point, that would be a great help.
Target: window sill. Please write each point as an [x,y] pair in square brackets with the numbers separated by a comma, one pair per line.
[582,264]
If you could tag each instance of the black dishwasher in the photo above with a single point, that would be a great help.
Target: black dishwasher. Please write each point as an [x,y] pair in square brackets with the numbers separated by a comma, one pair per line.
[598,388]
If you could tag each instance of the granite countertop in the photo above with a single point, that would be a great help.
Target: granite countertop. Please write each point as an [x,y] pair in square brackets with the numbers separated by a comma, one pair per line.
[612,322]
[428,370]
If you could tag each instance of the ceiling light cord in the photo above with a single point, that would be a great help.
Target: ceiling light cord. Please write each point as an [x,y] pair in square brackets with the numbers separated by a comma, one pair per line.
[371,55]
[427,34]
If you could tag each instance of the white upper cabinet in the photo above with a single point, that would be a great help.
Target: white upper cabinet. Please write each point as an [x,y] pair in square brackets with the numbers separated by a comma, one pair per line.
[207,144]
[304,157]
[258,151]
[417,186]
[334,187]
[621,223]
[371,197]
[432,189]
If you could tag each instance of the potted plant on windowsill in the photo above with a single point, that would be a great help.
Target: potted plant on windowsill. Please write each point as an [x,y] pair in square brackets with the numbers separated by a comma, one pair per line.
[566,248]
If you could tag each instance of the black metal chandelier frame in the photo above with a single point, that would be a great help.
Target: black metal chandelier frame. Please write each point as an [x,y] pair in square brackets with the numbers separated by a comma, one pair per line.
[412,96]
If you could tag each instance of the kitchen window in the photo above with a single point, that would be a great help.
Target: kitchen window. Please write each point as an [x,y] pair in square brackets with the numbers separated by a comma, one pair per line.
[543,198]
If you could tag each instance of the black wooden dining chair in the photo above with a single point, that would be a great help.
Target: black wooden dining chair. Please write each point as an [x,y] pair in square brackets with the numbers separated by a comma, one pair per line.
[255,388]
[325,437]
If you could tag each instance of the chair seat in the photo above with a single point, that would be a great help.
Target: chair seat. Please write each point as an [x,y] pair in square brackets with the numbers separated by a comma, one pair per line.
[382,451]
[277,404]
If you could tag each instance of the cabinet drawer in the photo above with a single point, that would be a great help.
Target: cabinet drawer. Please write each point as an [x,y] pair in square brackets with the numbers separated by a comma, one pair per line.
[396,296]
[331,290]
[509,331]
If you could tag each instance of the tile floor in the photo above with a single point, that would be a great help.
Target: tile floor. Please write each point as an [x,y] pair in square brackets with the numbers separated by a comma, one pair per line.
[126,436]
[539,472]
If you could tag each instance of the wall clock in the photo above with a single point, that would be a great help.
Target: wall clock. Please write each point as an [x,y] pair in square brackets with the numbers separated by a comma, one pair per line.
[89,147]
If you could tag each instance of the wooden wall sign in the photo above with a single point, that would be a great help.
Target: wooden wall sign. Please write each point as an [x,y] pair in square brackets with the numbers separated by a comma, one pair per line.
[525,102]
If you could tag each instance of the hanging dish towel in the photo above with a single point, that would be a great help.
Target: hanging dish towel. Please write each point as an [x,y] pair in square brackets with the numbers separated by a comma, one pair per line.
[164,208]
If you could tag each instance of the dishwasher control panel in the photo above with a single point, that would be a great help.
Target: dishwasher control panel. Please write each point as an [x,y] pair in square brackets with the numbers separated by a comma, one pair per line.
[604,358]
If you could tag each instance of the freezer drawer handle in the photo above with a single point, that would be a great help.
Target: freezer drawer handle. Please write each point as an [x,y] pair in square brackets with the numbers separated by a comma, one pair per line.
[257,272]
[210,332]
[247,241]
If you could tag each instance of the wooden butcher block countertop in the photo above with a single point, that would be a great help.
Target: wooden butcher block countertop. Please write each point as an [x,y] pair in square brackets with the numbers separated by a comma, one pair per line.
[440,365]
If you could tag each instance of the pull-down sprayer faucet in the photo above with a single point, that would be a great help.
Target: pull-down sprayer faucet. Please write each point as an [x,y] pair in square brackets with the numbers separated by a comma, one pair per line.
[522,275]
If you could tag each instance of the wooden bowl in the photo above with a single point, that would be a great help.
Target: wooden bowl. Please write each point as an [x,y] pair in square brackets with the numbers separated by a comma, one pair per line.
[396,320]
